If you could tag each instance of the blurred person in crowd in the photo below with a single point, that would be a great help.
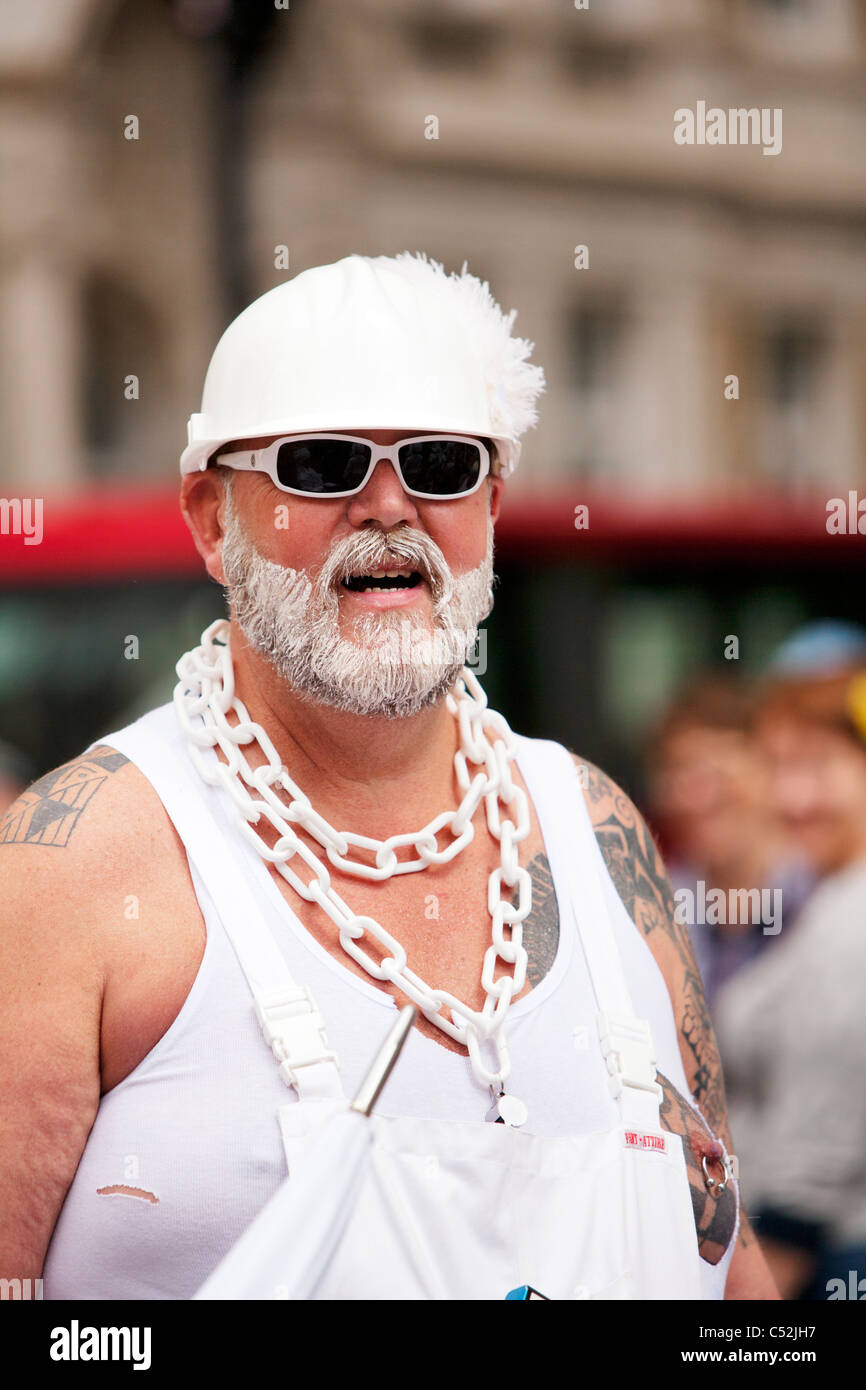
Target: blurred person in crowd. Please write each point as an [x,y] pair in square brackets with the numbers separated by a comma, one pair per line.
[792,1025]
[16,773]
[733,867]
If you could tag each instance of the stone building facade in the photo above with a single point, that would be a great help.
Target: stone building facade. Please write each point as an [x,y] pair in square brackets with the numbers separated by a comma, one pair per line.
[504,134]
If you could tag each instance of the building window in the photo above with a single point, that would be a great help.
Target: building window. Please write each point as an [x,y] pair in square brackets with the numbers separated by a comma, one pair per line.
[791,356]
[784,7]
[596,341]
[453,41]
[595,62]
[123,379]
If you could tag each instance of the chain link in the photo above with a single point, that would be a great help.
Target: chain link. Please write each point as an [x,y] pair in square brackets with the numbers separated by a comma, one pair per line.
[203,697]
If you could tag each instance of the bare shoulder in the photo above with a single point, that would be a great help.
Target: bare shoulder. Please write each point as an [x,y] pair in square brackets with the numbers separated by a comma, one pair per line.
[55,843]
[86,821]
[630,853]
[95,883]
[92,883]
[638,873]
[61,844]
[57,810]
[96,951]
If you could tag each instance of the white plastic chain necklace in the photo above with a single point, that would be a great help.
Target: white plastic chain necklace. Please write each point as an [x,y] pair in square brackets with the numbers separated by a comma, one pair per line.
[204,695]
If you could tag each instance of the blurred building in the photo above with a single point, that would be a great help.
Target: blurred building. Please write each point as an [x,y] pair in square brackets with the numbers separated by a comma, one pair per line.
[308,127]
[269,137]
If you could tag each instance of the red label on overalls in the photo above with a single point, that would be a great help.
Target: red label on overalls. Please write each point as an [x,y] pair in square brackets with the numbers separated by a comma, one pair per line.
[651,1143]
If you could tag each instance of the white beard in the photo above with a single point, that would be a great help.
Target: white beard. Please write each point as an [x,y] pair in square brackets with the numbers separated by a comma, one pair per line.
[392,663]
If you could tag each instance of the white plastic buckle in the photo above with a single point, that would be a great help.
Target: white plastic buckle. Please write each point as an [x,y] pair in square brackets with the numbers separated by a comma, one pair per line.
[628,1050]
[294,1030]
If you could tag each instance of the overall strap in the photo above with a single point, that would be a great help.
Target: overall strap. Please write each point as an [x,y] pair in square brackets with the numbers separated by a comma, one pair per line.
[626,1041]
[287,1013]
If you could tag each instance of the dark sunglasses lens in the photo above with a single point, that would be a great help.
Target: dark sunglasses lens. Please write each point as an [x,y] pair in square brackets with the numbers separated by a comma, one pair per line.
[441,467]
[322,465]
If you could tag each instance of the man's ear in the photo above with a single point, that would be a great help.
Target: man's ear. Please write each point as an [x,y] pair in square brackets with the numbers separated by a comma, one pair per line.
[497,491]
[202,502]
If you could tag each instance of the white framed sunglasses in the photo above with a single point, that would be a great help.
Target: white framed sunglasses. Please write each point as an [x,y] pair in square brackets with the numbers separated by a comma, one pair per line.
[432,466]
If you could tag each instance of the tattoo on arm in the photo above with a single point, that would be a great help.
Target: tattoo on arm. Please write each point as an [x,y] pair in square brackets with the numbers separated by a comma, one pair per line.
[47,813]
[641,880]
[639,876]
[541,927]
[715,1216]
[629,853]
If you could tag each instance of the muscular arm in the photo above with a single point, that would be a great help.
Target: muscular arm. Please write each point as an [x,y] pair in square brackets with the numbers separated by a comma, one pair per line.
[641,880]
[53,977]
[87,986]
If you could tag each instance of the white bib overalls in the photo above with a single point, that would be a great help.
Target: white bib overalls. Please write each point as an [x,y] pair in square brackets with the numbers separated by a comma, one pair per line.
[448,1208]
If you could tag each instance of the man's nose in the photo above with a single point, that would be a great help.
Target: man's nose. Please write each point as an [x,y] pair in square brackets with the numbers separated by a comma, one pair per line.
[382,499]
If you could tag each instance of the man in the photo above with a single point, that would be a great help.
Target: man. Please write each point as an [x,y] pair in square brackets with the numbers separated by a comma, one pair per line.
[330,820]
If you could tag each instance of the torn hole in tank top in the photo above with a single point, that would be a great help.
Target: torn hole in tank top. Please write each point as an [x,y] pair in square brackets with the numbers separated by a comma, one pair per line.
[122,1190]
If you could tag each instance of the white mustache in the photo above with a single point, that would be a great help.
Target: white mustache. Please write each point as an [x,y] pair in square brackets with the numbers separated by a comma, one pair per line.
[395,549]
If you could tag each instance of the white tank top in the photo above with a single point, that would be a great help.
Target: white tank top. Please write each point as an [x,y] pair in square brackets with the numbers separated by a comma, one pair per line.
[194,1126]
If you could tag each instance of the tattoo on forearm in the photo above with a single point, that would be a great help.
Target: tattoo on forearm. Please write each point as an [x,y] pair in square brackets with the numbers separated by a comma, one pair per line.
[541,927]
[715,1217]
[47,813]
[641,880]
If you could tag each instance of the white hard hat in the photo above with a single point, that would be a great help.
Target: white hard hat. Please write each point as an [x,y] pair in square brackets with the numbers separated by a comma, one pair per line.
[383,342]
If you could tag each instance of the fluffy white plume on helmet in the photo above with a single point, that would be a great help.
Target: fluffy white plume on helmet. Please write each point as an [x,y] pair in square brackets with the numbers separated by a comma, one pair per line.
[513,382]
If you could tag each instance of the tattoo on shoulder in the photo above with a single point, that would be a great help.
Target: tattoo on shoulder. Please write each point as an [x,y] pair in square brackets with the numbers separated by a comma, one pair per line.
[632,859]
[47,813]
[641,880]
[541,927]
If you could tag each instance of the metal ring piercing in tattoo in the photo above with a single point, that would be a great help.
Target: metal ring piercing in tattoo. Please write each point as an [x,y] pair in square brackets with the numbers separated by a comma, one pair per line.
[715,1153]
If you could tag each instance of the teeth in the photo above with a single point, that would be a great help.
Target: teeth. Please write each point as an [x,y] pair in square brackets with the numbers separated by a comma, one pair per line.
[390,574]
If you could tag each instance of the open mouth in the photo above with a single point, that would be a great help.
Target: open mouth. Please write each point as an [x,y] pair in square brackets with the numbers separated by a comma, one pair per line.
[382,580]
